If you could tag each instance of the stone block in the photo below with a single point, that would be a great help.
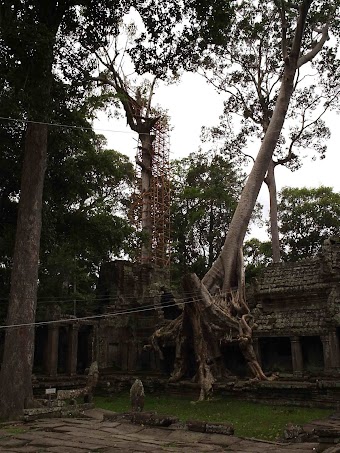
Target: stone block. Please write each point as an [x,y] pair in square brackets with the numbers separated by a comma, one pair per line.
[152,419]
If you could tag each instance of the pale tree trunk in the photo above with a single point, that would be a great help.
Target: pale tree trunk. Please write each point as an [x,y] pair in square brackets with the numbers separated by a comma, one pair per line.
[16,370]
[222,273]
[274,227]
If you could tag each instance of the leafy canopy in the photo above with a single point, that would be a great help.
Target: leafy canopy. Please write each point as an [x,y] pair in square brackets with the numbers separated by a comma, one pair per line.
[307,216]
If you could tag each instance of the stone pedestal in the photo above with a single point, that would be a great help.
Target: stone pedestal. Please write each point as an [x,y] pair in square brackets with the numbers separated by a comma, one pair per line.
[297,359]
[52,350]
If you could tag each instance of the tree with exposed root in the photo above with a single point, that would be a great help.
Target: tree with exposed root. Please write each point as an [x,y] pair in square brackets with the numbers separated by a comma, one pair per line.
[217,302]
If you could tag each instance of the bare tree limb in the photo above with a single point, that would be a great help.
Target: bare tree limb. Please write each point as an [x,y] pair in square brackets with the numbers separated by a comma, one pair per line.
[316,49]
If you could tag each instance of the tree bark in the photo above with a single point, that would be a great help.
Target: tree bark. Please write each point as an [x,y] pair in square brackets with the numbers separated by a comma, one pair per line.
[274,228]
[16,371]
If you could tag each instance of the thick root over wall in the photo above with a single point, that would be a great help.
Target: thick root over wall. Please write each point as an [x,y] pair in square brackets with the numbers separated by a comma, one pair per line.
[206,323]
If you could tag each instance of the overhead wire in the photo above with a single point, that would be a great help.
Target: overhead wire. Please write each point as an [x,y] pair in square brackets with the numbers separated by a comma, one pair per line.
[99,316]
[68,126]
[59,299]
[145,308]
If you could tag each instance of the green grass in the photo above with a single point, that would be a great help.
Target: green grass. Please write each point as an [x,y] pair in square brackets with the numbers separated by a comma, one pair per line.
[14,429]
[249,419]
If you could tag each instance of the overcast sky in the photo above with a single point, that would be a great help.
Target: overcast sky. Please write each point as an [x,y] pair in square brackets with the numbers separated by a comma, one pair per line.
[192,104]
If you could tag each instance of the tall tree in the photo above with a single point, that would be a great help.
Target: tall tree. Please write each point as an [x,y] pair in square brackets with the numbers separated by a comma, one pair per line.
[215,305]
[298,48]
[28,35]
[33,36]
[306,218]
[249,73]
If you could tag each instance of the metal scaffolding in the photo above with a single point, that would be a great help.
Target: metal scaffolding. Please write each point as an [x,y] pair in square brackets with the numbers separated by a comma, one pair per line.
[159,194]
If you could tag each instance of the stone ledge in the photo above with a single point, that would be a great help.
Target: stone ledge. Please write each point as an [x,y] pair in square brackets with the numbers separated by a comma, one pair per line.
[142,418]
[54,412]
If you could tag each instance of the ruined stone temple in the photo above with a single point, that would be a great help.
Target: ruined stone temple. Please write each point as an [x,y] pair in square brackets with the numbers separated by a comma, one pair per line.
[296,307]
[67,348]
[297,310]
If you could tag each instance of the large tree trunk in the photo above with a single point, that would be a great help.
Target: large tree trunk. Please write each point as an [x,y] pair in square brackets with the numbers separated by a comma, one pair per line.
[16,370]
[222,273]
[274,228]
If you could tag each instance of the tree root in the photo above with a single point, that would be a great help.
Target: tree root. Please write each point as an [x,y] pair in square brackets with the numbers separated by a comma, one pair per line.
[201,329]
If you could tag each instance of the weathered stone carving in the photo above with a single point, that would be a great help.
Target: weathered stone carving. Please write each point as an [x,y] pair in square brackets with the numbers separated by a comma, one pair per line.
[87,391]
[137,396]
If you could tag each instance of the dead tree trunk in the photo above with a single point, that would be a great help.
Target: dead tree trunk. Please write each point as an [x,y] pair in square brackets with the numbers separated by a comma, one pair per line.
[137,112]
[146,175]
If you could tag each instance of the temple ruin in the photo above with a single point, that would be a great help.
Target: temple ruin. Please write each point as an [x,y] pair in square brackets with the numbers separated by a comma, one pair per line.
[296,307]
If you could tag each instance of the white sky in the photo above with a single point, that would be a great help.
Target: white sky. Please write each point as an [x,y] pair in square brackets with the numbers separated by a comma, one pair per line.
[192,104]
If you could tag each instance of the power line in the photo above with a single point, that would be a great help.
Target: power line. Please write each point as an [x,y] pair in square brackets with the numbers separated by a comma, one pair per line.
[68,126]
[108,298]
[93,317]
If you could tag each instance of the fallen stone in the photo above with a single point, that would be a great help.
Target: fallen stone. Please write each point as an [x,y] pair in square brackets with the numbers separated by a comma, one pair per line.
[220,428]
[213,428]
[195,425]
[141,418]
[152,419]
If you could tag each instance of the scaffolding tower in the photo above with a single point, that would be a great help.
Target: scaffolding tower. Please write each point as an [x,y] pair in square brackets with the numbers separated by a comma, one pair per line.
[159,194]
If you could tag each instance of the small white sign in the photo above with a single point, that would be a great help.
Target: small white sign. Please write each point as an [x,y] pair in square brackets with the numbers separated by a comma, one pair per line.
[51,391]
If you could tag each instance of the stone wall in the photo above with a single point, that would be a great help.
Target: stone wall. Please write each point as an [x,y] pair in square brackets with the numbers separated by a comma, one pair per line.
[296,307]
[299,298]
[301,301]
[133,296]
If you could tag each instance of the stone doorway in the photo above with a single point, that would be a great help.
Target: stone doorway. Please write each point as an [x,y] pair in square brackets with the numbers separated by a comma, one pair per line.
[312,354]
[276,354]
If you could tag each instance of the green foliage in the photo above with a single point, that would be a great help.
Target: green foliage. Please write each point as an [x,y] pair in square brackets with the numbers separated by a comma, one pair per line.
[268,424]
[85,221]
[257,255]
[85,197]
[205,191]
[306,218]
[179,35]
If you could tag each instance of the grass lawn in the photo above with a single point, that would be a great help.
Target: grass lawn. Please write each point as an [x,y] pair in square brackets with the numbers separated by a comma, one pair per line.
[249,419]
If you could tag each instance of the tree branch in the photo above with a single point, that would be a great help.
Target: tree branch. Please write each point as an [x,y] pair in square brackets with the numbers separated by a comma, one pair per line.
[148,107]
[300,26]
[283,29]
[316,49]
